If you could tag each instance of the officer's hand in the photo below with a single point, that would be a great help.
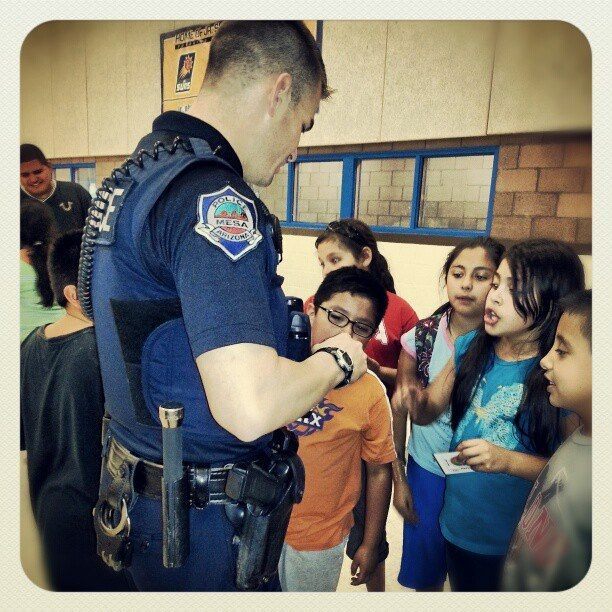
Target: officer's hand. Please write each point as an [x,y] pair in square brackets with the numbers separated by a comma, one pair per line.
[364,563]
[354,348]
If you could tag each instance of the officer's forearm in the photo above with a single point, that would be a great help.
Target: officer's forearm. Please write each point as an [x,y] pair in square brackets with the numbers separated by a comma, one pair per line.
[378,498]
[252,391]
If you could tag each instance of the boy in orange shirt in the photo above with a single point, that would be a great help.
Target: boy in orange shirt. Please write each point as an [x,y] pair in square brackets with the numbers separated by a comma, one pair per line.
[349,424]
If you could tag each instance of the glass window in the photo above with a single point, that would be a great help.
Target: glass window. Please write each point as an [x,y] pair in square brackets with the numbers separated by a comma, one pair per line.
[453,189]
[62,174]
[84,175]
[87,178]
[455,192]
[383,193]
[317,191]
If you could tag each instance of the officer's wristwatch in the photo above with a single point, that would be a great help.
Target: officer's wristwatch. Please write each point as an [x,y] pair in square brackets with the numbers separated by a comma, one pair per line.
[345,363]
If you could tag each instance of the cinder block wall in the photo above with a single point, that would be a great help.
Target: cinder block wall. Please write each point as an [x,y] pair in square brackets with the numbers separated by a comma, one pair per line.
[544,189]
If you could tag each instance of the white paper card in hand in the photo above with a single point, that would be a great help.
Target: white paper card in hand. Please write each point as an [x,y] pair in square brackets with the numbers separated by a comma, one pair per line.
[448,467]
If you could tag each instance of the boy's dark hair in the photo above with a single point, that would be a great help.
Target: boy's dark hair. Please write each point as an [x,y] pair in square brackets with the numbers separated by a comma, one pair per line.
[251,49]
[64,264]
[29,152]
[37,231]
[579,304]
[355,281]
[354,235]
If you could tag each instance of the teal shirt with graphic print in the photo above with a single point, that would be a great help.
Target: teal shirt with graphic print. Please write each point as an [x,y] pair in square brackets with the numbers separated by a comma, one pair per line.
[481,510]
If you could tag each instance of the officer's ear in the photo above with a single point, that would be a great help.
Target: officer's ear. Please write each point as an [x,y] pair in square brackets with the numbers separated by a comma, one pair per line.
[281,94]
[310,310]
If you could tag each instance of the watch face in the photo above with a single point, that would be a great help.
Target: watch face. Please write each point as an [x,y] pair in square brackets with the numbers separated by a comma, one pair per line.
[346,358]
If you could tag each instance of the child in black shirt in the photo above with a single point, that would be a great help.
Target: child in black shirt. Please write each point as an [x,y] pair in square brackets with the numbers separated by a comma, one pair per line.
[62,405]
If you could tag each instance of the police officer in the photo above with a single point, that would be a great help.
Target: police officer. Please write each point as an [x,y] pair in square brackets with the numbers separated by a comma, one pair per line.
[188,305]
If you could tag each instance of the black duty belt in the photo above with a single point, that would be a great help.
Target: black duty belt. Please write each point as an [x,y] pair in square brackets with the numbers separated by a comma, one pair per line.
[206,484]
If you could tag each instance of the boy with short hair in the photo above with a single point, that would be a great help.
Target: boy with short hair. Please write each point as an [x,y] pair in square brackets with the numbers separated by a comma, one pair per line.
[551,547]
[62,406]
[349,424]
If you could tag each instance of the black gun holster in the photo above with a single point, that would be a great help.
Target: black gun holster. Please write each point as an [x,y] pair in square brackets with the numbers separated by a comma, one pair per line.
[265,490]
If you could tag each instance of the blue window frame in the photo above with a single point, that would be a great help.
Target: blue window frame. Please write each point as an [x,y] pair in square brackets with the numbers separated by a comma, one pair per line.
[348,189]
[83,173]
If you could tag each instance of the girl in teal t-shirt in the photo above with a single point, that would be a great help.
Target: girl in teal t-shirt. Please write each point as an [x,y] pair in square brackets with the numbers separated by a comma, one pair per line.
[503,425]
[467,273]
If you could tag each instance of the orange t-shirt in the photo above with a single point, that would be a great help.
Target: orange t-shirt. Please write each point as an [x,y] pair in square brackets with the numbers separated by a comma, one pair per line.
[349,424]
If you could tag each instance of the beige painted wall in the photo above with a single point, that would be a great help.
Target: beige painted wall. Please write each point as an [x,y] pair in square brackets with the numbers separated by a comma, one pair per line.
[35,110]
[92,88]
[542,78]
[437,79]
[354,53]
[440,76]
[68,89]
[415,269]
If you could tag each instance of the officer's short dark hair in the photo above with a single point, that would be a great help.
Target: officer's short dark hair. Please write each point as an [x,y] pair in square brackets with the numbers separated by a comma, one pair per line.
[355,281]
[579,304]
[29,152]
[63,264]
[250,49]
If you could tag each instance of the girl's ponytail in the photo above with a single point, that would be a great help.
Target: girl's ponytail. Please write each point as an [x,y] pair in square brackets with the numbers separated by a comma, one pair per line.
[380,269]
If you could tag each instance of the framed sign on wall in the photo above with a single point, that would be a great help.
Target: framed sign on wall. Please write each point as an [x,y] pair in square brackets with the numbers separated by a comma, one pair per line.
[184,56]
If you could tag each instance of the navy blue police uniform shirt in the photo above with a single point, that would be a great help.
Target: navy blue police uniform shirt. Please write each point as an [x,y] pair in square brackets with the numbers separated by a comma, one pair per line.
[223,301]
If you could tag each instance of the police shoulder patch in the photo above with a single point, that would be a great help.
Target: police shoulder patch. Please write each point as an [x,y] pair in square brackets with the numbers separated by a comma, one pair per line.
[228,220]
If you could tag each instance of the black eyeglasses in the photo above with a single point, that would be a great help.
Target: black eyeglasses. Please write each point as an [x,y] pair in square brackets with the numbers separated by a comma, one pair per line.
[341,320]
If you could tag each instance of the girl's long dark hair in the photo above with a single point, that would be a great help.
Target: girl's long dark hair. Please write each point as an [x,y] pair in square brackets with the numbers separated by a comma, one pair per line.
[354,235]
[543,272]
[37,232]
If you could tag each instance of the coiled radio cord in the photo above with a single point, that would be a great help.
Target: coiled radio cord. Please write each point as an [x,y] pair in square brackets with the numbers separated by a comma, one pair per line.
[97,210]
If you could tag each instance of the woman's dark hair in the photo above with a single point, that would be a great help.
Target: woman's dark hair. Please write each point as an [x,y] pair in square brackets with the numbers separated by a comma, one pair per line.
[37,231]
[493,249]
[543,272]
[354,235]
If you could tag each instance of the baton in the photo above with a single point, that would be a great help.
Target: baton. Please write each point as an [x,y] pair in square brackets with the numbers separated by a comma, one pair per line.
[175,506]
